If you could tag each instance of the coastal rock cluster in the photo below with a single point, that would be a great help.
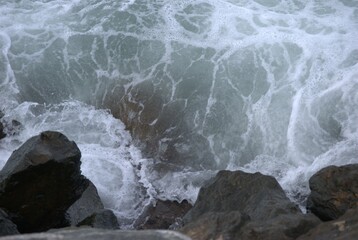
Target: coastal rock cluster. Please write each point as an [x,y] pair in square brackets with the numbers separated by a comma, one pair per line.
[43,192]
[239,205]
[41,187]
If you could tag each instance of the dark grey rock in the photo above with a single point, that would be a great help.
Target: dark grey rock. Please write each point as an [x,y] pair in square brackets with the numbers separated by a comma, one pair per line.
[6,226]
[40,181]
[344,228]
[95,234]
[239,205]
[256,195]
[88,204]
[104,219]
[334,190]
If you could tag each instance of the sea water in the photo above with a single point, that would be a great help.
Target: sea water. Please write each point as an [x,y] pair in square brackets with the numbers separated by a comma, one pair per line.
[160,95]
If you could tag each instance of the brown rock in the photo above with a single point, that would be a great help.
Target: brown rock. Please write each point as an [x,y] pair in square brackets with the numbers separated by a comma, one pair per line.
[287,226]
[164,214]
[344,228]
[214,225]
[334,190]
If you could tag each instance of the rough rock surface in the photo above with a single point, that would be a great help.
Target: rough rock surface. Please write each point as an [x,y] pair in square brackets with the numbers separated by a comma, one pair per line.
[88,204]
[40,181]
[287,226]
[6,226]
[164,214]
[216,225]
[95,234]
[104,219]
[333,191]
[239,205]
[344,228]
[257,195]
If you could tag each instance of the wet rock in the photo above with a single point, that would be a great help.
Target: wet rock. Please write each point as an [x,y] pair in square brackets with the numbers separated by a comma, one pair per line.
[239,205]
[287,226]
[88,204]
[95,234]
[235,225]
[164,214]
[14,127]
[9,127]
[6,226]
[334,190]
[104,219]
[257,195]
[216,225]
[345,227]
[40,181]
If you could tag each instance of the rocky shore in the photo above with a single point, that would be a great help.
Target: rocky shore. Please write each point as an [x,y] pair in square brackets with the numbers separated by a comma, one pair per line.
[43,195]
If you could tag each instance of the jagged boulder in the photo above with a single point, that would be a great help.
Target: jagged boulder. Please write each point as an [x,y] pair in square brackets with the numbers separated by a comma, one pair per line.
[6,226]
[239,205]
[40,181]
[334,190]
[257,195]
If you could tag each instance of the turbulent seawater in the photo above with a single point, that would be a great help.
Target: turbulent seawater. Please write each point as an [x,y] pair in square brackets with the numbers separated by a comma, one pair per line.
[159,95]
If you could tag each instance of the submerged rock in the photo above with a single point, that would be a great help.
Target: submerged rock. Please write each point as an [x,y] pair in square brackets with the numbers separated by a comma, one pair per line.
[40,181]
[345,227]
[334,190]
[6,226]
[239,205]
[7,127]
[95,234]
[164,214]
